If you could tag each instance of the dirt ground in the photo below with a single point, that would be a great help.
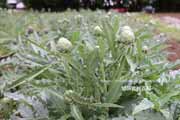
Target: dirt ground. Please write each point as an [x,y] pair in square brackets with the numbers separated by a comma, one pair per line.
[174,46]
[174,49]
[176,15]
[172,19]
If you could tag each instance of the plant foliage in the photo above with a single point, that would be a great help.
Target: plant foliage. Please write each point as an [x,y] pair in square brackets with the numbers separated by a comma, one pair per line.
[101,77]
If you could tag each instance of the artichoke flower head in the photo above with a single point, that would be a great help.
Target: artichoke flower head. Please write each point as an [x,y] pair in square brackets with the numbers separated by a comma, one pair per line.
[64,45]
[125,34]
[98,30]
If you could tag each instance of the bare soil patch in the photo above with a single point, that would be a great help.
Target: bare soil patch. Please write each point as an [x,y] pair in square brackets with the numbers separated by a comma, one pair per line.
[173,45]
[172,19]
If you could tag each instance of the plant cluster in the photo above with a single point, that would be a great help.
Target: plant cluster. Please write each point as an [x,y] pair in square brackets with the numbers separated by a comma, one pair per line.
[86,66]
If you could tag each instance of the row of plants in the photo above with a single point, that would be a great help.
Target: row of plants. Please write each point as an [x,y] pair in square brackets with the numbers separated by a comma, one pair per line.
[85,66]
[132,5]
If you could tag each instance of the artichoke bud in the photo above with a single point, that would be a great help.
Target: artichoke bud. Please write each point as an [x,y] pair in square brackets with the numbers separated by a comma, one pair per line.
[67,95]
[152,22]
[109,13]
[64,21]
[125,35]
[30,30]
[79,17]
[97,46]
[46,31]
[64,45]
[145,49]
[98,30]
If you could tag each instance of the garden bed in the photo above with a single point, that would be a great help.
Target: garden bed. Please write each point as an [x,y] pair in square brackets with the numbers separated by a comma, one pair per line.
[86,66]
[173,20]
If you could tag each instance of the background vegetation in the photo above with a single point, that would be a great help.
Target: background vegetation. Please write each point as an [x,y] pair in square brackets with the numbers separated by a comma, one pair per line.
[160,5]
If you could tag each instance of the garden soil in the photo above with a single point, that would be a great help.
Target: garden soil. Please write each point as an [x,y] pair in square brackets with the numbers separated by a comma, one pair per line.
[173,45]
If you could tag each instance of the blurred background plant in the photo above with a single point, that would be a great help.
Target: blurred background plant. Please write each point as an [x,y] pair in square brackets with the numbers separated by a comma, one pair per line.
[3,3]
[131,5]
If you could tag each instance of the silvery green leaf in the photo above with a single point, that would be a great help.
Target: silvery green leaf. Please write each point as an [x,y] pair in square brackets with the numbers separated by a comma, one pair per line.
[25,111]
[37,106]
[149,115]
[15,96]
[38,50]
[167,114]
[123,118]
[143,105]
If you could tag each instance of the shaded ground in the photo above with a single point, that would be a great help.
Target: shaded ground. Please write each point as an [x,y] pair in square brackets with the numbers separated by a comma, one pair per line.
[172,19]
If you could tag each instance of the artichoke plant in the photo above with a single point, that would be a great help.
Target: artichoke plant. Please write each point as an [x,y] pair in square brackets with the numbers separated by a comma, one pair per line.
[71,73]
